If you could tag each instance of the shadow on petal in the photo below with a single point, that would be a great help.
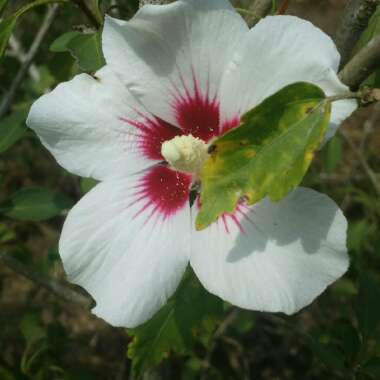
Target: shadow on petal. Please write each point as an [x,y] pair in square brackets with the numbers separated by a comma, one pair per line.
[296,218]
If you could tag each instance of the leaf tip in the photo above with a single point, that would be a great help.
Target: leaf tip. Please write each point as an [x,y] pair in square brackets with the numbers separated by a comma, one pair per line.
[200,224]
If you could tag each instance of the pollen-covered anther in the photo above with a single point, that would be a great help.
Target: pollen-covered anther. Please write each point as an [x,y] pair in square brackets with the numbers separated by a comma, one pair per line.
[185,153]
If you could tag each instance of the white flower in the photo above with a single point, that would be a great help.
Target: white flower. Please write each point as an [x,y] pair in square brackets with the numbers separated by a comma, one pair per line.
[189,68]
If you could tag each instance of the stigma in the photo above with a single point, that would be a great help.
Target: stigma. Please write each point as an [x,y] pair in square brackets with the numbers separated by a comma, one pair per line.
[185,153]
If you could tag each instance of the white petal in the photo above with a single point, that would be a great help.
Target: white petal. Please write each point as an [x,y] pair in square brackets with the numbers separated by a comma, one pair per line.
[278,51]
[166,50]
[83,124]
[123,254]
[288,254]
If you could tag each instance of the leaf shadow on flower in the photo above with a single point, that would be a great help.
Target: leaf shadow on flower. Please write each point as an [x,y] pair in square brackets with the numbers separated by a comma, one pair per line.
[282,226]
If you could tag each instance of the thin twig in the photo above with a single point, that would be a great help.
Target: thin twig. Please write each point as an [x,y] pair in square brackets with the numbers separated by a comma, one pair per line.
[54,286]
[94,18]
[47,22]
[364,63]
[355,19]
[17,51]
[367,169]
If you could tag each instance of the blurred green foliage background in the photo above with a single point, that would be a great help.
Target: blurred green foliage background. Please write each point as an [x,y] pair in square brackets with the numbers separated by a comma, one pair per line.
[43,336]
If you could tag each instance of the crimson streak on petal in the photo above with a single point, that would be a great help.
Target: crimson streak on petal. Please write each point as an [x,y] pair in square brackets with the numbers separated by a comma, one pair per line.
[163,192]
[239,218]
[151,133]
[197,113]
[229,124]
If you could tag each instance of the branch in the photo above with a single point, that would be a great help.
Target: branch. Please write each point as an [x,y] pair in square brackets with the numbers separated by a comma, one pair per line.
[47,22]
[54,286]
[364,63]
[355,19]
[83,5]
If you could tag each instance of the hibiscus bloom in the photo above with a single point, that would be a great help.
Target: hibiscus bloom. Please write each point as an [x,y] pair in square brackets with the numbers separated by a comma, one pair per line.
[177,76]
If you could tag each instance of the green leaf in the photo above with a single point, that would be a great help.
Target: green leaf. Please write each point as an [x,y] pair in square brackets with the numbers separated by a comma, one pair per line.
[6,28]
[35,337]
[347,338]
[86,184]
[78,374]
[372,367]
[372,30]
[373,80]
[31,328]
[244,322]
[364,376]
[35,204]
[330,355]
[6,374]
[267,155]
[344,287]
[361,235]
[275,5]
[45,83]
[12,128]
[6,234]
[174,327]
[332,154]
[7,25]
[367,305]
[3,4]
[84,47]
[60,45]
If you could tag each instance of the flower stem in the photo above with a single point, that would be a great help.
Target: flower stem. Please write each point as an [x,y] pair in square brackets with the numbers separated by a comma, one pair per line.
[365,96]
[347,95]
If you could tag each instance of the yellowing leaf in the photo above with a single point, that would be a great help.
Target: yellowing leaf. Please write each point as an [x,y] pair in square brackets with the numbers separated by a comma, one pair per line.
[267,155]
